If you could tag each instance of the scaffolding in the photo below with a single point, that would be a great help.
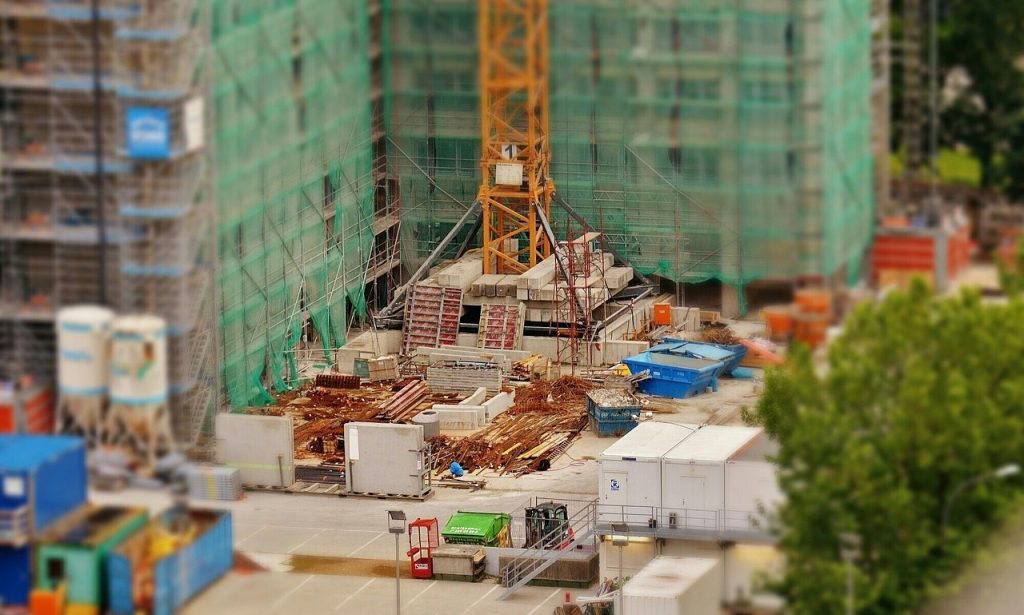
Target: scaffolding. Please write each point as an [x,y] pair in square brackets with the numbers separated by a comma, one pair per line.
[87,220]
[726,140]
[296,184]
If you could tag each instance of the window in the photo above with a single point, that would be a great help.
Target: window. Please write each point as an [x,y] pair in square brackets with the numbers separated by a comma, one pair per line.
[700,35]
[700,165]
[701,89]
[763,91]
[55,570]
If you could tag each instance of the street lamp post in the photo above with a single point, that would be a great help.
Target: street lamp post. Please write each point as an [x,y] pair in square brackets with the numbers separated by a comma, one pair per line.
[849,551]
[620,539]
[1006,471]
[396,526]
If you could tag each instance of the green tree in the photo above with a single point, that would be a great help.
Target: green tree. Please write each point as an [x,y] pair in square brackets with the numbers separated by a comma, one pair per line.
[982,39]
[1011,275]
[918,395]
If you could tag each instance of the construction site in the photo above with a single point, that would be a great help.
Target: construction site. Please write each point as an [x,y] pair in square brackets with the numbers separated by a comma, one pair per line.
[494,280]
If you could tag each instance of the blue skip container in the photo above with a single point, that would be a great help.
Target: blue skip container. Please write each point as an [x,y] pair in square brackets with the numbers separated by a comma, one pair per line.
[672,375]
[729,354]
[174,577]
[612,412]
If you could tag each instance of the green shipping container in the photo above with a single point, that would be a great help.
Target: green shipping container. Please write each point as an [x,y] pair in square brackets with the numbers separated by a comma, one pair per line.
[477,528]
[76,553]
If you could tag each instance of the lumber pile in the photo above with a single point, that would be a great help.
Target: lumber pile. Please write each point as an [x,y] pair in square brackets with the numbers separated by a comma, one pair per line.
[546,418]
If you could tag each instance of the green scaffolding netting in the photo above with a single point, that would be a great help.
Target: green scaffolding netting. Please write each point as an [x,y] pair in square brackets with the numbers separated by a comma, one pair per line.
[294,180]
[709,139]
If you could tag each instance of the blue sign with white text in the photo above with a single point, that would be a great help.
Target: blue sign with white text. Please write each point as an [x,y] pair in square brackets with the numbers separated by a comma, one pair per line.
[148,133]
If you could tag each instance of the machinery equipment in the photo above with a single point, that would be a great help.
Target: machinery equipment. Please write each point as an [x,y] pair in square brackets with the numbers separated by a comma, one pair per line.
[547,526]
[423,539]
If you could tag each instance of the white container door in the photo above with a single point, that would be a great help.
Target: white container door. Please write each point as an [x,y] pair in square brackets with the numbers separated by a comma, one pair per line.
[615,496]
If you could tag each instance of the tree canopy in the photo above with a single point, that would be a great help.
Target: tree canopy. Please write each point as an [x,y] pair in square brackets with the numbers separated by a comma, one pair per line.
[983,39]
[918,395]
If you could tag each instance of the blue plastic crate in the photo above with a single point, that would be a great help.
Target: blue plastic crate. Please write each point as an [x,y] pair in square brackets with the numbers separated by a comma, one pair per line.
[674,375]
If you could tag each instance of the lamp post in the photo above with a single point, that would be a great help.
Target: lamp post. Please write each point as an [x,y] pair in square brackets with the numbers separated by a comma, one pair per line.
[620,539]
[1006,471]
[849,550]
[396,526]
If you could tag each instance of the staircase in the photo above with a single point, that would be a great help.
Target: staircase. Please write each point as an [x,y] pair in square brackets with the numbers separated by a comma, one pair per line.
[535,560]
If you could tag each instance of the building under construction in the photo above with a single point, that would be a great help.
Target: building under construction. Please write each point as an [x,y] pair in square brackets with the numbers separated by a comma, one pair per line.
[726,141]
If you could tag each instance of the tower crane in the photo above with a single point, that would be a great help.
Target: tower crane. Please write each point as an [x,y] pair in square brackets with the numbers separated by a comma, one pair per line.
[513,204]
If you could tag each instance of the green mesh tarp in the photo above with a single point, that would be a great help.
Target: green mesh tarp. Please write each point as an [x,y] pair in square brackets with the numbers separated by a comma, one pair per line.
[291,100]
[708,139]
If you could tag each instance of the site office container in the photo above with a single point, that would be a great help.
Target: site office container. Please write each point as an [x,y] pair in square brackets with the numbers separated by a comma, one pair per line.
[75,553]
[42,479]
[694,478]
[675,586]
[142,575]
[629,472]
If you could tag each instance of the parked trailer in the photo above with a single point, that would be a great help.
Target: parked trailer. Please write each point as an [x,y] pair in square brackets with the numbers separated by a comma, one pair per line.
[150,572]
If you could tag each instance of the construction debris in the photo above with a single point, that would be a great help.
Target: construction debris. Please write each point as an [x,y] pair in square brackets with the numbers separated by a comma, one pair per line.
[546,418]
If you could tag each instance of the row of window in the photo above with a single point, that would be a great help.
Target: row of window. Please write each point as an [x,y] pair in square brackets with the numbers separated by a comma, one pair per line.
[698,90]
[693,164]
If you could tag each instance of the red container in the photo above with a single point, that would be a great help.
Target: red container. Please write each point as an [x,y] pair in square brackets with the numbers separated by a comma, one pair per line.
[810,329]
[29,411]
[778,321]
[662,314]
[813,301]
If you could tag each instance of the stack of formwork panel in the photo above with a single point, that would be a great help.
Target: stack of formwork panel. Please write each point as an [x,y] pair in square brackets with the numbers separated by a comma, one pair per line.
[431,317]
[456,376]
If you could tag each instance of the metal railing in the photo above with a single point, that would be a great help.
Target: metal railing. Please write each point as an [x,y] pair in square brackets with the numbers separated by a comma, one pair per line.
[664,522]
[535,559]
[15,528]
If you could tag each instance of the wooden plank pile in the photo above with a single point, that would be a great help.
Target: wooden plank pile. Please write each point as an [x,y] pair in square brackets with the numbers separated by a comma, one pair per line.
[404,404]
[546,419]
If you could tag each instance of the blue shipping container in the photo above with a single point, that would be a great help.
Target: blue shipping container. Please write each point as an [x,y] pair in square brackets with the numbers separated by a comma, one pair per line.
[178,577]
[15,575]
[42,479]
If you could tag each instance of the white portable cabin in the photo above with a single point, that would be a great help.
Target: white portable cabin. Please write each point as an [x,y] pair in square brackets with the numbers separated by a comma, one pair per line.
[716,479]
[629,471]
[675,586]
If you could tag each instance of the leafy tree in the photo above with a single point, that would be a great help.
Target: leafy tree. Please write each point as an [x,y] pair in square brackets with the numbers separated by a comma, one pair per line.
[918,395]
[1011,275]
[983,40]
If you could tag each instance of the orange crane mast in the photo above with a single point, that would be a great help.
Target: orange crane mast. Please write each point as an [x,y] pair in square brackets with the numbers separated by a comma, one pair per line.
[514,125]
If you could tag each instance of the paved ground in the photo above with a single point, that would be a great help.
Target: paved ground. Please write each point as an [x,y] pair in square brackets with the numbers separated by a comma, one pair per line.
[328,554]
[991,585]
